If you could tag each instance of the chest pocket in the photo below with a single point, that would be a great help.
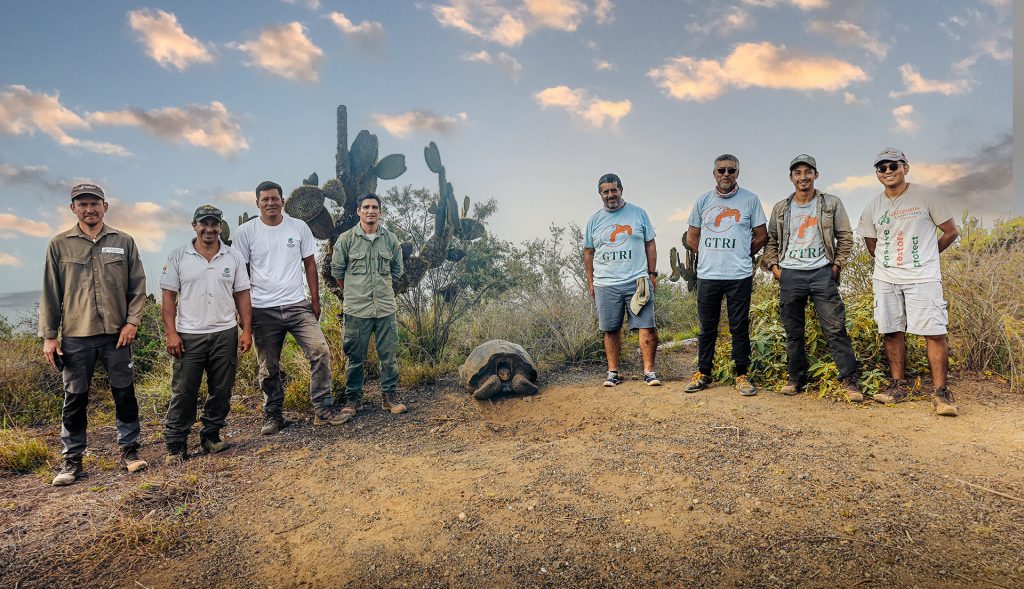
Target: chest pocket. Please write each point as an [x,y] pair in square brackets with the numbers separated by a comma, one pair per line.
[77,273]
[384,262]
[357,262]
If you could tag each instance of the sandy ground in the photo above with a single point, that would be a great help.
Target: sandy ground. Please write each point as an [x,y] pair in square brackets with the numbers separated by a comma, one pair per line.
[578,486]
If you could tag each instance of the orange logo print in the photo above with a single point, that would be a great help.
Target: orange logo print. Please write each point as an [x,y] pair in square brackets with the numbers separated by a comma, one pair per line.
[808,223]
[725,214]
[619,230]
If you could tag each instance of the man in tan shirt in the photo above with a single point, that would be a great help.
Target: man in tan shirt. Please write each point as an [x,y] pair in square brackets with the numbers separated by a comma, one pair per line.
[94,288]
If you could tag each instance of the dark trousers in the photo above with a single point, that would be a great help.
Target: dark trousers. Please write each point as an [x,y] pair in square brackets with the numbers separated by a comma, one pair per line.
[795,287]
[269,328]
[709,310]
[216,354]
[356,343]
[80,356]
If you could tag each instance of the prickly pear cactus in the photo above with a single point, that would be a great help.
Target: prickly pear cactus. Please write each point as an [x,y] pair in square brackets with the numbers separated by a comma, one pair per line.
[686,270]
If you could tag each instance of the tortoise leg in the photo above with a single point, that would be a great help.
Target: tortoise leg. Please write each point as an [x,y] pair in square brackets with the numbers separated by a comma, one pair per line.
[523,386]
[488,389]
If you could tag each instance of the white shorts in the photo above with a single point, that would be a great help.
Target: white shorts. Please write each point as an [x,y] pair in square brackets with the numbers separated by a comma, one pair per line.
[912,308]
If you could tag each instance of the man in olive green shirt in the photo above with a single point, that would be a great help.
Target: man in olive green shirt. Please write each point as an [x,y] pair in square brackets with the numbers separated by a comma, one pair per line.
[94,288]
[367,260]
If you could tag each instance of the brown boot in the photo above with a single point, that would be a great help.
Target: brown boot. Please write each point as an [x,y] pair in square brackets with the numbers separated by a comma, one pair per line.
[389,401]
[943,402]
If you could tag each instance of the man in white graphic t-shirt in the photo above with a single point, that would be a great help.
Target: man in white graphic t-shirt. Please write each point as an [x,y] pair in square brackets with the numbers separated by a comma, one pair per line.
[899,229]
[279,250]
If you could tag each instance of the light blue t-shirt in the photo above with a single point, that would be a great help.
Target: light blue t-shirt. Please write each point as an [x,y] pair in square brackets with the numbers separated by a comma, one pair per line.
[806,249]
[726,228]
[618,240]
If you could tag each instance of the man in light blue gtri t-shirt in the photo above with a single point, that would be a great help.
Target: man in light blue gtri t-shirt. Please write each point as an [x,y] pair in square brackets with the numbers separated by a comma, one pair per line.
[727,229]
[620,257]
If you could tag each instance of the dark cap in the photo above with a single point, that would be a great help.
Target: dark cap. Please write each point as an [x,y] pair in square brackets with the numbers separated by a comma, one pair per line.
[207,211]
[803,158]
[87,189]
[891,154]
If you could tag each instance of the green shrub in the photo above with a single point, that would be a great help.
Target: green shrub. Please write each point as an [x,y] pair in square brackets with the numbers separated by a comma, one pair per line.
[31,392]
[20,452]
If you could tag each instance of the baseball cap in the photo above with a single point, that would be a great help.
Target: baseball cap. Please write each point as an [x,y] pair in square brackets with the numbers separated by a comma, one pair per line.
[803,158]
[86,188]
[891,154]
[207,211]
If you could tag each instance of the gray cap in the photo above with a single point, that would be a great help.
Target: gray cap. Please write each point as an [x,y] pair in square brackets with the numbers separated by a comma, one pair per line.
[86,188]
[891,154]
[803,158]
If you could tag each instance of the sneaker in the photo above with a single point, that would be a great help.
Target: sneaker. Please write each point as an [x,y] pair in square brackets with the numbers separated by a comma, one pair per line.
[212,444]
[130,460]
[70,470]
[389,401]
[852,390]
[943,402]
[699,382]
[652,380]
[351,408]
[792,387]
[176,455]
[897,392]
[328,415]
[744,386]
[273,422]
[613,378]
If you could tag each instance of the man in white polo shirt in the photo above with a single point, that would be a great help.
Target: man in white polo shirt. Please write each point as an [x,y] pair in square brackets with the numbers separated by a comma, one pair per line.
[899,228]
[204,285]
[279,251]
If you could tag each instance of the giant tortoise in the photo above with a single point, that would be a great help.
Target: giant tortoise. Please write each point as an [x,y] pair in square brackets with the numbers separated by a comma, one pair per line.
[498,366]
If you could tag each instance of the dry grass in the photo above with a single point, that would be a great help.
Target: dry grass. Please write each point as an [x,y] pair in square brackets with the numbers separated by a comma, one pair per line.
[30,390]
[22,453]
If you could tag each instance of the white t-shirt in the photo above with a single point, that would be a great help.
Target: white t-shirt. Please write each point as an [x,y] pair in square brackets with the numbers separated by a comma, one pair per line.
[206,302]
[806,248]
[907,251]
[274,254]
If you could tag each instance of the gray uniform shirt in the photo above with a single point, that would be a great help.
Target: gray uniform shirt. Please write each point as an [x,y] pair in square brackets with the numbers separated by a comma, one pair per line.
[206,302]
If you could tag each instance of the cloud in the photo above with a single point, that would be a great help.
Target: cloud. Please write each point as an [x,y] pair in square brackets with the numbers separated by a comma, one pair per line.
[165,41]
[145,221]
[24,112]
[493,21]
[915,83]
[761,65]
[603,65]
[591,110]
[285,51]
[850,34]
[924,173]
[311,4]
[420,120]
[732,20]
[11,224]
[508,64]
[603,11]
[9,260]
[367,34]
[804,5]
[33,177]
[680,215]
[246,197]
[209,126]
[904,117]
[851,98]
[563,15]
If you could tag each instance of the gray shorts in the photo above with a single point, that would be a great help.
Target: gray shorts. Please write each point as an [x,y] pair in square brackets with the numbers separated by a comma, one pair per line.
[914,308]
[613,303]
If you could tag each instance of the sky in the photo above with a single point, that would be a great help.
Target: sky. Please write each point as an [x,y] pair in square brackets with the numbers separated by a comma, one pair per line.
[169,106]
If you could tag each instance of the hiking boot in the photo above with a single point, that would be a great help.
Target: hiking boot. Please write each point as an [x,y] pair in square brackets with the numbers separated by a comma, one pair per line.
[130,460]
[943,402]
[328,415]
[612,379]
[699,382]
[70,470]
[744,386]
[792,387]
[351,408]
[176,455]
[389,401]
[652,380]
[852,389]
[273,422]
[211,443]
[897,392]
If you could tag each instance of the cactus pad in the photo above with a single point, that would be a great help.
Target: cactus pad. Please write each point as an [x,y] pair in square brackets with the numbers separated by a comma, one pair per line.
[472,229]
[363,154]
[433,157]
[390,167]
[335,191]
[313,180]
[322,225]
[305,203]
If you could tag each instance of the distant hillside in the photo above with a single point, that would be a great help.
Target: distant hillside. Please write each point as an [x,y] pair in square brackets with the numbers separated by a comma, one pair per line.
[16,306]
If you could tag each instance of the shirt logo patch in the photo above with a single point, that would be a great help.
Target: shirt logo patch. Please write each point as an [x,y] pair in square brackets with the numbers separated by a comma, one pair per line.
[226,273]
[719,219]
[807,222]
[291,242]
[616,235]
[113,250]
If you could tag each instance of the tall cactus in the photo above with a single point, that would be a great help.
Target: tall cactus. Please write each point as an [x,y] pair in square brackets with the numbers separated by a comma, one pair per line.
[688,269]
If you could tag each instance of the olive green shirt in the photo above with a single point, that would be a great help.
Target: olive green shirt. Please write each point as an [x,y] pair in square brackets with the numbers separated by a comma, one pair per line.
[368,268]
[91,287]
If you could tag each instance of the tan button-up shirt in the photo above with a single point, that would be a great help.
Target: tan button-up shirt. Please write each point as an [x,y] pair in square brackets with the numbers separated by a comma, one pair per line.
[91,287]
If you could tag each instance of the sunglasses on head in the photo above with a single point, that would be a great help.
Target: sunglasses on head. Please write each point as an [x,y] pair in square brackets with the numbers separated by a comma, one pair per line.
[724,171]
[889,167]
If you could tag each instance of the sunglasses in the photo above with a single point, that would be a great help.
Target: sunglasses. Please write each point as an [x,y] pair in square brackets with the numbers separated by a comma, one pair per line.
[724,171]
[890,167]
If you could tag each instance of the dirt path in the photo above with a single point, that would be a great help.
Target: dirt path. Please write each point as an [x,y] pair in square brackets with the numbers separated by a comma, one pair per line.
[631,486]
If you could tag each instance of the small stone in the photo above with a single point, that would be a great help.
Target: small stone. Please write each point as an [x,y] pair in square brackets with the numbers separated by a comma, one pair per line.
[462,516]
